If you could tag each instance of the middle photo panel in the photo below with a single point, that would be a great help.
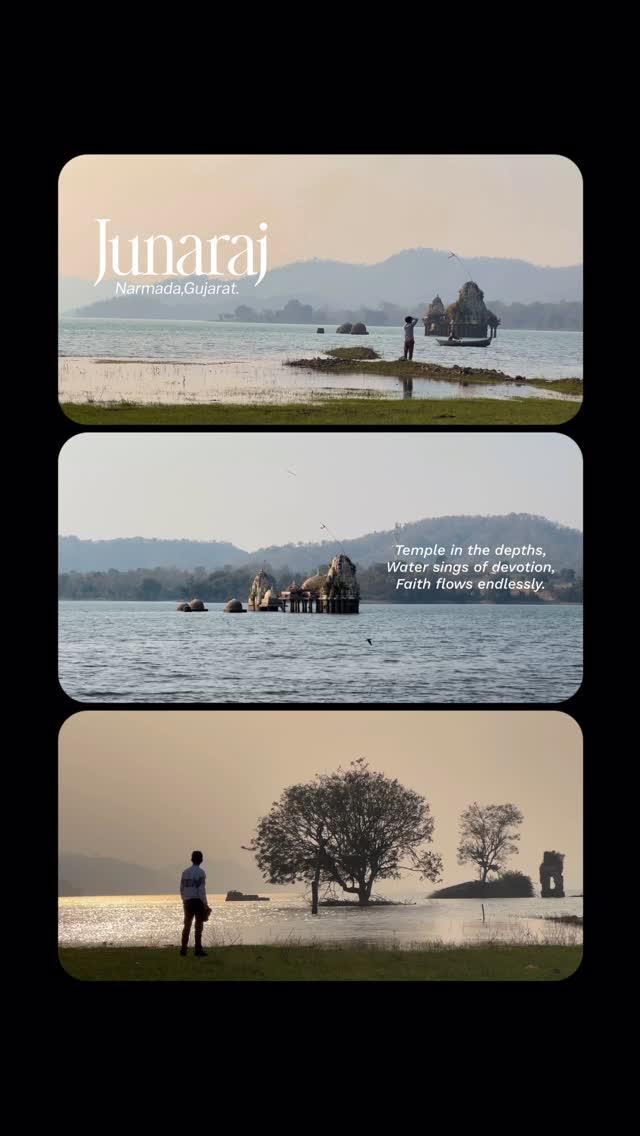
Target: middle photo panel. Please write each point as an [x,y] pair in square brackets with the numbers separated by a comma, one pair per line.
[395,568]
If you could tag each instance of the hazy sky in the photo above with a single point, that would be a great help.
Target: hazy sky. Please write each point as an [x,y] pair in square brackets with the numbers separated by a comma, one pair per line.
[123,776]
[237,487]
[351,208]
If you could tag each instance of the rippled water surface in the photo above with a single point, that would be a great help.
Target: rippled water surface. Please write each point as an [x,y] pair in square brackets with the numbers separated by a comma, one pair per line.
[155,920]
[149,652]
[189,361]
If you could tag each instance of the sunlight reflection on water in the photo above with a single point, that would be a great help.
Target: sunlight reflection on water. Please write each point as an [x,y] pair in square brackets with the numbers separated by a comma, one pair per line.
[156,921]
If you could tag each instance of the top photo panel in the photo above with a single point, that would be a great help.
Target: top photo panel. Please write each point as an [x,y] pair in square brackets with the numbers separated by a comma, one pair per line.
[311,290]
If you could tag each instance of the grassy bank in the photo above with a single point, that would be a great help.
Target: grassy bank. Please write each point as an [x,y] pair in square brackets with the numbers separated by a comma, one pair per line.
[313,964]
[364,361]
[331,412]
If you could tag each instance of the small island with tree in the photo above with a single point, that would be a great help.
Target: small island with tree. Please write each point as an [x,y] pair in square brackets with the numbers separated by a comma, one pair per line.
[488,837]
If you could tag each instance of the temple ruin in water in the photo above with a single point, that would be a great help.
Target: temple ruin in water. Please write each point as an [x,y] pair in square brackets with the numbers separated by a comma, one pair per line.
[467,318]
[551,873]
[335,592]
[263,595]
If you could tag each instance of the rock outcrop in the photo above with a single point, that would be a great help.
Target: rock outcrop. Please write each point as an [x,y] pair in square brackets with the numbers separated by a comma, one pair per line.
[359,329]
[344,329]
[234,896]
[183,607]
[197,605]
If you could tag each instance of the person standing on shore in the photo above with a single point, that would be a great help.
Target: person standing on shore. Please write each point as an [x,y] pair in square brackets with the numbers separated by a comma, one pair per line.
[194,900]
[409,342]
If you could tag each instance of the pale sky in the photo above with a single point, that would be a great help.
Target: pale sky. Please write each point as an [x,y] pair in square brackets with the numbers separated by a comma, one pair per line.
[357,208]
[123,776]
[238,488]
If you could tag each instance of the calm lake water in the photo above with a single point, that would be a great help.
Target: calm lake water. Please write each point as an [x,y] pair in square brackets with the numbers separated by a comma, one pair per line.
[149,652]
[192,361]
[156,920]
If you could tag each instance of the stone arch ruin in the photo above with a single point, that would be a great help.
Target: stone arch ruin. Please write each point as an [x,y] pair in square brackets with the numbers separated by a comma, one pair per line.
[551,873]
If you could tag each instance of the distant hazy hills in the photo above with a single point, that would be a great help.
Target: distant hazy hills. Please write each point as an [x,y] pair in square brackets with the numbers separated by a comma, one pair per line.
[77,555]
[563,546]
[100,875]
[411,278]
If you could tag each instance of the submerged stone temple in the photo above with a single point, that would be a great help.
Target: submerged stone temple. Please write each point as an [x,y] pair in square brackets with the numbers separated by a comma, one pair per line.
[435,319]
[335,592]
[551,872]
[263,595]
[468,318]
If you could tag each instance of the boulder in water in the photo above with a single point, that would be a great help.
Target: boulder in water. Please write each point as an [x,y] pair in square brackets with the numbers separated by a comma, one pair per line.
[197,605]
[320,330]
[359,329]
[183,607]
[344,329]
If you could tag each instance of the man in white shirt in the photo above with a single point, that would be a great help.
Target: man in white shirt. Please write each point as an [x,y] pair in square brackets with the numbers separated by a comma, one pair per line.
[409,342]
[194,899]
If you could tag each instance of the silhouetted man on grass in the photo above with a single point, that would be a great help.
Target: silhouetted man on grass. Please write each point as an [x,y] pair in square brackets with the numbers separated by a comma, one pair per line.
[194,899]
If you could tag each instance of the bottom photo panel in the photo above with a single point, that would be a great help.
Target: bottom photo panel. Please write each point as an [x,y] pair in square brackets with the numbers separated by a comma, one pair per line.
[329,845]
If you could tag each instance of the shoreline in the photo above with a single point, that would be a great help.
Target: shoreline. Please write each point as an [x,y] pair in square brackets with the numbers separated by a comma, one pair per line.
[341,412]
[424,962]
[212,399]
[361,361]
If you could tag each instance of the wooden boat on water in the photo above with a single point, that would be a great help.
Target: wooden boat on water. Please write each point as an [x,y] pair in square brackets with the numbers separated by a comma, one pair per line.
[464,342]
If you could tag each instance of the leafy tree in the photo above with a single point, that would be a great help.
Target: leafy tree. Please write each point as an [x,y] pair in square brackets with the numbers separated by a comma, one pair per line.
[488,836]
[349,828]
